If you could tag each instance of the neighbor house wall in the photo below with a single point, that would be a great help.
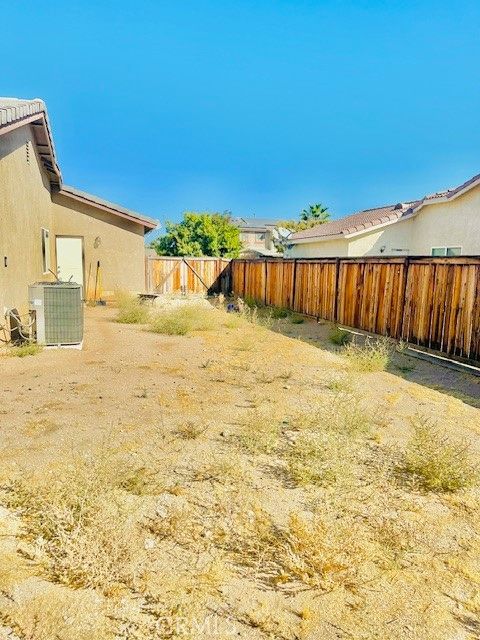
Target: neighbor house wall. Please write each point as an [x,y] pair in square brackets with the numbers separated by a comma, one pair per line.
[25,207]
[117,243]
[392,240]
[454,223]
[326,249]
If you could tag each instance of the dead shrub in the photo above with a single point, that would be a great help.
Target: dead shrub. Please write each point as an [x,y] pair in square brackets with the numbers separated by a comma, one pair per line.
[436,462]
[58,613]
[191,430]
[340,337]
[317,551]
[185,319]
[318,458]
[130,309]
[374,355]
[79,525]
[260,433]
[343,413]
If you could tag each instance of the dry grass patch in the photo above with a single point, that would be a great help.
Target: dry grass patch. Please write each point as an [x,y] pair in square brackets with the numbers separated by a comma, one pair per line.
[260,433]
[130,309]
[317,551]
[436,462]
[24,350]
[340,337]
[318,458]
[54,612]
[185,319]
[78,525]
[374,355]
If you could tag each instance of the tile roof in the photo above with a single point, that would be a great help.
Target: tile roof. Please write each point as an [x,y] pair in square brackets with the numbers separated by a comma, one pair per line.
[14,109]
[371,218]
[15,112]
[355,222]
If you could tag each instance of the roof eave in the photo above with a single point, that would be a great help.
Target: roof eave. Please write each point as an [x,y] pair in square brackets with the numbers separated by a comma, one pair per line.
[147,224]
[293,240]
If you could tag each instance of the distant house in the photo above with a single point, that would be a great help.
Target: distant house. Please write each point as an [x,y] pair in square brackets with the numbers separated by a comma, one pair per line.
[48,228]
[257,236]
[446,223]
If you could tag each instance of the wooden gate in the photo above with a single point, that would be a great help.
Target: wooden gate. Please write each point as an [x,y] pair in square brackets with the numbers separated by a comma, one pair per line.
[168,274]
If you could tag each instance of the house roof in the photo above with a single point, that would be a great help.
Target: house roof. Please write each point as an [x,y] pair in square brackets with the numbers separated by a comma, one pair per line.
[372,218]
[94,201]
[253,223]
[15,113]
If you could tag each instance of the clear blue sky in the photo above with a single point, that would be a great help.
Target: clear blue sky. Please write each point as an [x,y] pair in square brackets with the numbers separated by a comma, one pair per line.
[256,106]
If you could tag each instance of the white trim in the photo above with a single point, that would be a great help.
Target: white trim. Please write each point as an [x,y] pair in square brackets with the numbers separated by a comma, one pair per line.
[446,249]
[315,239]
[446,197]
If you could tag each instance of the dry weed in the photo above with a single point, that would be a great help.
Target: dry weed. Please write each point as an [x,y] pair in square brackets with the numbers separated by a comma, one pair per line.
[374,355]
[185,319]
[130,309]
[436,462]
[260,433]
[23,350]
[79,525]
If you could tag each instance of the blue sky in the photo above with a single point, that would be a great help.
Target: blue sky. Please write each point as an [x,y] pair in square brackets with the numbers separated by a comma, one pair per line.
[260,107]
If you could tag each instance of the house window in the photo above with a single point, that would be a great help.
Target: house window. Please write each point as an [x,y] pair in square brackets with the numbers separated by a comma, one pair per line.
[454,251]
[439,252]
[46,250]
[260,237]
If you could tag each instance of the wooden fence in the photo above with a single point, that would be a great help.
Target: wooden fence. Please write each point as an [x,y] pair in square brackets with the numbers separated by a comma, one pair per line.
[432,302]
[187,275]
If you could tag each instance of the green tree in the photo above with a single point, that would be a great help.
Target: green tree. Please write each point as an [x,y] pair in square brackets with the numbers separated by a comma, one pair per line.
[200,234]
[316,213]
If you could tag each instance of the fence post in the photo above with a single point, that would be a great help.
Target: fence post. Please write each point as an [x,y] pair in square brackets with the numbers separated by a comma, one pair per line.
[336,292]
[404,294]
[265,283]
[294,283]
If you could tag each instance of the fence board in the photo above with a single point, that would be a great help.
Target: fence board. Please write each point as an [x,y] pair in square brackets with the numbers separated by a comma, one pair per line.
[432,302]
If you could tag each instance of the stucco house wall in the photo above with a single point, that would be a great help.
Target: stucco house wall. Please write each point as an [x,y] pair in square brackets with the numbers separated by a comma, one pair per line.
[29,202]
[116,243]
[25,207]
[453,224]
[328,249]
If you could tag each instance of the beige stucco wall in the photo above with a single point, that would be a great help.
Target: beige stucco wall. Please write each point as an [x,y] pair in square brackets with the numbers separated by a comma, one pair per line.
[454,223]
[25,207]
[116,243]
[446,224]
[327,249]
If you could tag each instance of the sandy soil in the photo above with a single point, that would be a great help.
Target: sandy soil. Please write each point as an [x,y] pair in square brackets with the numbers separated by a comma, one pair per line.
[133,390]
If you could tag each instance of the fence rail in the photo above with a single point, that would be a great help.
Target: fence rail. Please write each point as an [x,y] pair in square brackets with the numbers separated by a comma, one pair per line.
[186,275]
[432,302]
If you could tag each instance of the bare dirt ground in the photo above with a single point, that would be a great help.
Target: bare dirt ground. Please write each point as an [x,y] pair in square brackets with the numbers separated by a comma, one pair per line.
[220,540]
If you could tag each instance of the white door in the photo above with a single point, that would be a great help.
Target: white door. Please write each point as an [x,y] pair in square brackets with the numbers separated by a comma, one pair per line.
[70,259]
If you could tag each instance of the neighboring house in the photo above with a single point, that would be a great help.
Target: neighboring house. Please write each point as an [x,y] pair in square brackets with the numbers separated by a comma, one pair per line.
[48,227]
[257,236]
[446,223]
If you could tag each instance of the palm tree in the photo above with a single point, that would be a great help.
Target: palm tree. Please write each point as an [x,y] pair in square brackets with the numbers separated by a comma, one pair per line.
[316,213]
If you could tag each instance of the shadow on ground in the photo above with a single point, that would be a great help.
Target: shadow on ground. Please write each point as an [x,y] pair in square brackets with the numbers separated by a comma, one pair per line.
[464,386]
